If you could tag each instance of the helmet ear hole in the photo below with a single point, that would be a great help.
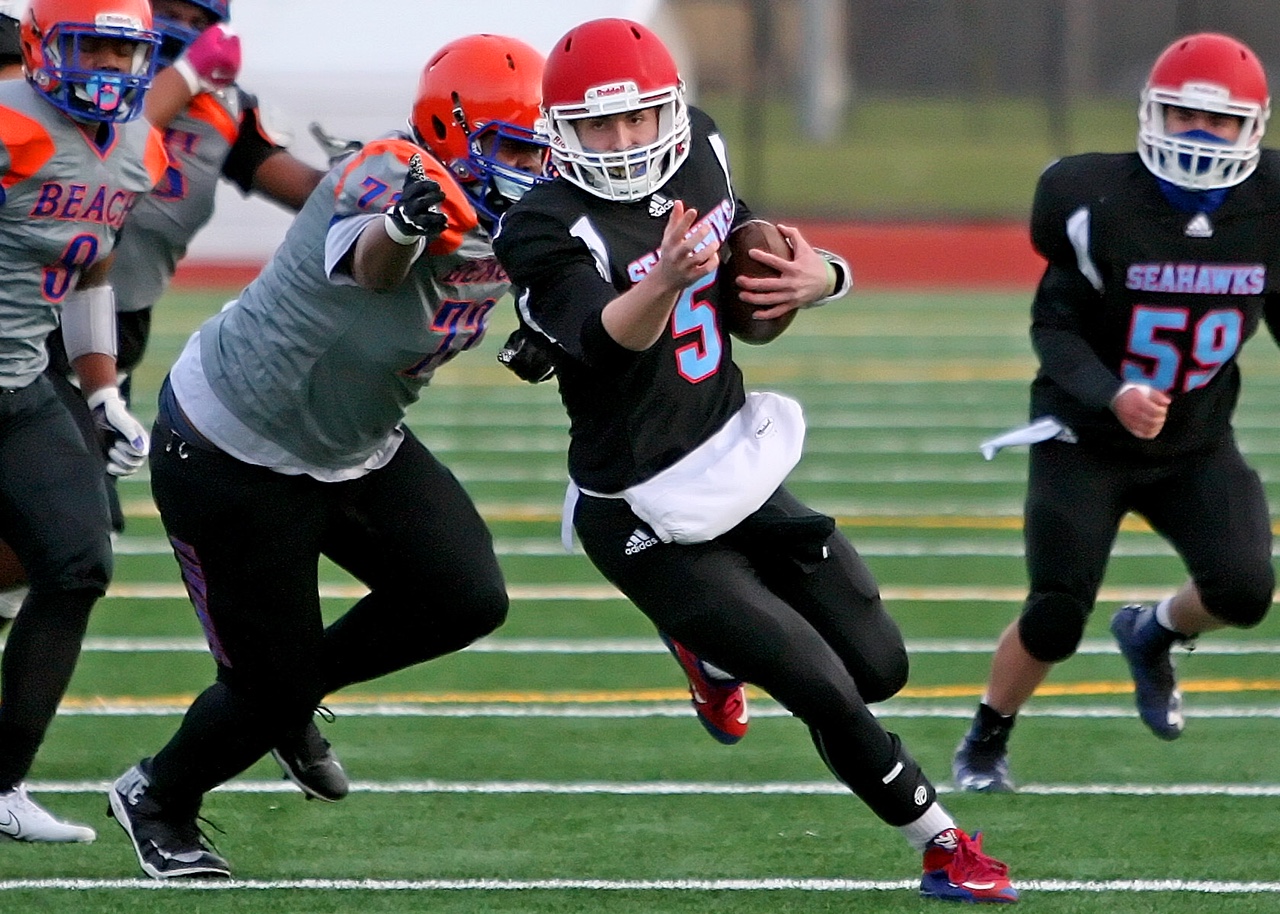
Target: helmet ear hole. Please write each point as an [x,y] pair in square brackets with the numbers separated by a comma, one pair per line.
[439,127]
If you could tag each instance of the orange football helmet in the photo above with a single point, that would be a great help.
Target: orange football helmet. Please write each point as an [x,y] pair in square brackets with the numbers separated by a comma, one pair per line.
[475,95]
[59,41]
[1204,72]
[602,68]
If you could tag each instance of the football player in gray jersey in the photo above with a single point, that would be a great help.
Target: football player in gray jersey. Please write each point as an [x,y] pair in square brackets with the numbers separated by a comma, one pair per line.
[281,438]
[212,129]
[73,160]
[13,579]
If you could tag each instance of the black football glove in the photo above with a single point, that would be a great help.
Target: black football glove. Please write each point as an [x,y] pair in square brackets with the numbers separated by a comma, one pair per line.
[527,357]
[417,213]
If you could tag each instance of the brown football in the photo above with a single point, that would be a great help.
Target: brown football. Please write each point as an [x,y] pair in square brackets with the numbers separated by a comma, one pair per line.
[757,234]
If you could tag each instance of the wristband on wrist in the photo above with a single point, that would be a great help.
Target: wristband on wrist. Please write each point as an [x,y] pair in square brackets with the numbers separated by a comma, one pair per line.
[183,68]
[394,233]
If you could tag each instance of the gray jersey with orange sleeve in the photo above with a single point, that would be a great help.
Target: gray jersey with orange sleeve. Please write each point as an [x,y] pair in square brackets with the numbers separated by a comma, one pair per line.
[309,372]
[63,198]
[200,141]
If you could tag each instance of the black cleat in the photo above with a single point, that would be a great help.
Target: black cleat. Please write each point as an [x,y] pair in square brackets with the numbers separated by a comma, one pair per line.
[169,843]
[981,762]
[307,759]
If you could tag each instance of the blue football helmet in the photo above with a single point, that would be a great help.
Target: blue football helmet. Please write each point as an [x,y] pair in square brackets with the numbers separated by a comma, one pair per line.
[175,36]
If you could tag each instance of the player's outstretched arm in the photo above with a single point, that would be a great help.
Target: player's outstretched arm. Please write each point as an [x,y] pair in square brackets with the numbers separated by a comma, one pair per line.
[286,179]
[388,247]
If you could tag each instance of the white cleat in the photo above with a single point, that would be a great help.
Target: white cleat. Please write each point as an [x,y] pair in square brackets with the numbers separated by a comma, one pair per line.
[23,819]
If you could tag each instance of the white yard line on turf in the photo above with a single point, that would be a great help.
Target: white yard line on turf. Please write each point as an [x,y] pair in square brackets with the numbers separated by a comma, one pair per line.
[1138,886]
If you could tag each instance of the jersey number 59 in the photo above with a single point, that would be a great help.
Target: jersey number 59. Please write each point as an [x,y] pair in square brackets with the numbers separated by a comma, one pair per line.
[1156,359]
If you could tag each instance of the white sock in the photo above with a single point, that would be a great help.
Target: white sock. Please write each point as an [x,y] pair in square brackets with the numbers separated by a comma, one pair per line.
[1162,615]
[934,822]
[11,600]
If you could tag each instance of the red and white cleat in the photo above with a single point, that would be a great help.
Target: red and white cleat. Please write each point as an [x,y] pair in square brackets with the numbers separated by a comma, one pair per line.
[956,869]
[721,704]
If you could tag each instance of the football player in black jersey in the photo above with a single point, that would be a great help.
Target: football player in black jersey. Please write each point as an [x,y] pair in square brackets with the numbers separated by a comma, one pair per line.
[1160,265]
[676,470]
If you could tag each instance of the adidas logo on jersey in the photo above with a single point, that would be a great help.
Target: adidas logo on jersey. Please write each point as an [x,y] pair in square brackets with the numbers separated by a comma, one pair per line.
[1199,227]
[639,541]
[660,205]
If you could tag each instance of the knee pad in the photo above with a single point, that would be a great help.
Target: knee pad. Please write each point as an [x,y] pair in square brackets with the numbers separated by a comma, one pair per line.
[1052,625]
[1242,607]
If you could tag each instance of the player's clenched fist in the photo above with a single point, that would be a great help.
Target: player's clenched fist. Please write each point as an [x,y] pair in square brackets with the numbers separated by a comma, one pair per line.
[1141,409]
[212,61]
[416,214]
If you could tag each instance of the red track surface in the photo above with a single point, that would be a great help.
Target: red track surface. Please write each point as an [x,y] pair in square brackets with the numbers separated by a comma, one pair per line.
[883,255]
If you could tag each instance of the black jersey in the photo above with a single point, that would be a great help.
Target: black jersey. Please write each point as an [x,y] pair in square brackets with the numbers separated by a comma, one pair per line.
[1139,291]
[631,414]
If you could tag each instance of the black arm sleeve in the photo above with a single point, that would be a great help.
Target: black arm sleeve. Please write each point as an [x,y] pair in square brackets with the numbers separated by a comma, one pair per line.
[1271,315]
[1058,336]
[251,148]
[565,291]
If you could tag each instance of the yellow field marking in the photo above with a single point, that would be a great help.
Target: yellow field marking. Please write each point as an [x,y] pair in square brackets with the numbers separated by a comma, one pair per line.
[1077,689]
[507,513]
[622,696]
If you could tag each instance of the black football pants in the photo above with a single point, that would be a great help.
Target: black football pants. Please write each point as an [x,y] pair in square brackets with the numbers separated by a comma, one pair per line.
[248,541]
[1210,506]
[812,633]
[53,513]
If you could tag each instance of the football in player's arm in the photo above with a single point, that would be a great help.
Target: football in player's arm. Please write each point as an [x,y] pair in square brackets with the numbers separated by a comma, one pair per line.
[677,490]
[1161,263]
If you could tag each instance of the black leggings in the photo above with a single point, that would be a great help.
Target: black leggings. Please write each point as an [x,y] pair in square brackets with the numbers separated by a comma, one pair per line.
[812,633]
[248,541]
[53,513]
[1210,506]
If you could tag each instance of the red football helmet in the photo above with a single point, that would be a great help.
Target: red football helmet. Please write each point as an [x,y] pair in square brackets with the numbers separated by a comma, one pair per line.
[606,67]
[54,37]
[1204,72]
[476,94]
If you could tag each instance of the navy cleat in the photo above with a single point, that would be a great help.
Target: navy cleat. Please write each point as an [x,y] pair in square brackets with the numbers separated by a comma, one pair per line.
[981,763]
[1145,644]
[956,869]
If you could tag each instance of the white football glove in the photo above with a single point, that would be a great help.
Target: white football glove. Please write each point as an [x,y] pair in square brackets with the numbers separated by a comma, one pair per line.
[129,440]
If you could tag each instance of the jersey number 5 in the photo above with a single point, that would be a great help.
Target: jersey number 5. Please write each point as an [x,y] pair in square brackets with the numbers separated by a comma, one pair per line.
[700,359]
[1157,361]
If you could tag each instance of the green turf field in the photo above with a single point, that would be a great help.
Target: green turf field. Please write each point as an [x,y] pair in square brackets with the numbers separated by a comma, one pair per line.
[558,768]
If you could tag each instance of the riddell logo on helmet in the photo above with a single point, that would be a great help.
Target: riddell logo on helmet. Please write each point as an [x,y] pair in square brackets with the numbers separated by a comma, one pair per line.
[116,20]
[612,90]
